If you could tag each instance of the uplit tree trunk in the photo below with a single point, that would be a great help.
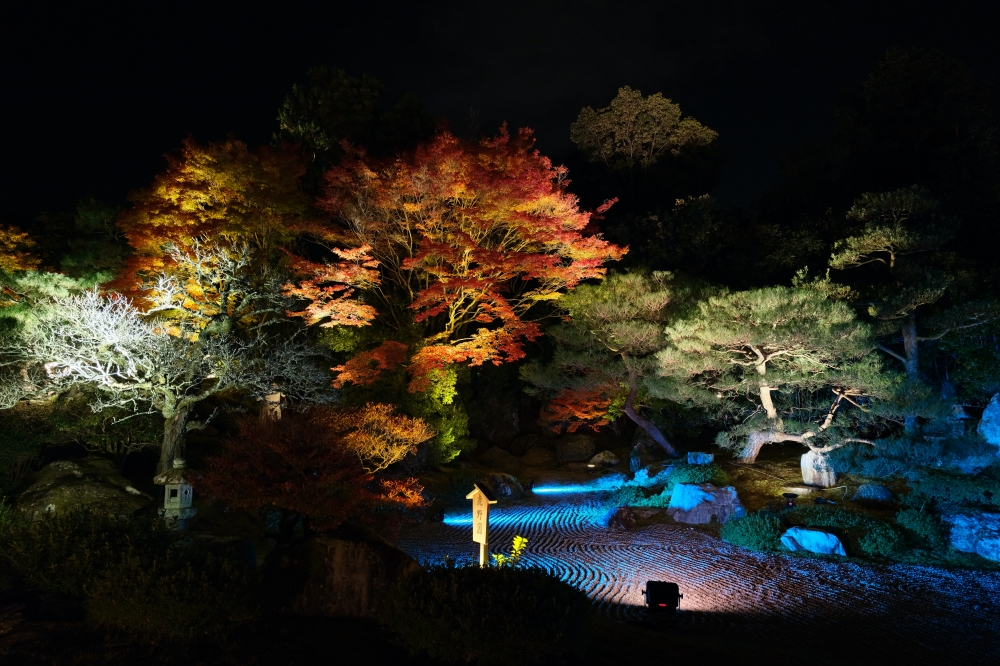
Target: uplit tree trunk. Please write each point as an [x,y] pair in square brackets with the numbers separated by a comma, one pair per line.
[911,363]
[174,431]
[647,425]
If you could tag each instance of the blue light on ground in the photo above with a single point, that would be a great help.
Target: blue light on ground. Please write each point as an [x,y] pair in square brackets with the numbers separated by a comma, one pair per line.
[573,488]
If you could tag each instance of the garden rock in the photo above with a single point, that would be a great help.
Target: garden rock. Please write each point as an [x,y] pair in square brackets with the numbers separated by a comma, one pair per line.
[504,486]
[977,533]
[575,448]
[873,492]
[604,459]
[700,458]
[989,426]
[92,483]
[816,470]
[813,541]
[539,457]
[497,458]
[622,518]
[698,504]
[349,574]
[524,443]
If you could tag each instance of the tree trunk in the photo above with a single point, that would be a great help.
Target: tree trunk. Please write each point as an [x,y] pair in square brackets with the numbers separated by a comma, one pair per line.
[910,349]
[174,429]
[912,362]
[648,425]
[758,438]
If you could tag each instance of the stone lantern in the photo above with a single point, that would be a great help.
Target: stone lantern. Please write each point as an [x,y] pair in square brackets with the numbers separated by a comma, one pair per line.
[177,495]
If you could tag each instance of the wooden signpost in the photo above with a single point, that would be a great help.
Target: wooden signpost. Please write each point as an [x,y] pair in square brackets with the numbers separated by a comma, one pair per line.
[481,501]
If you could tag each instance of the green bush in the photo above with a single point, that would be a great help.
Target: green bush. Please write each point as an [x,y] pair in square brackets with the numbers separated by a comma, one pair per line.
[133,574]
[924,527]
[61,553]
[881,540]
[756,531]
[173,595]
[870,536]
[696,474]
[977,491]
[491,615]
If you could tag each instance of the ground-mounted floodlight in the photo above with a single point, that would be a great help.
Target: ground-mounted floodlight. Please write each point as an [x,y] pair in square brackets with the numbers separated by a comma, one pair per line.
[662,598]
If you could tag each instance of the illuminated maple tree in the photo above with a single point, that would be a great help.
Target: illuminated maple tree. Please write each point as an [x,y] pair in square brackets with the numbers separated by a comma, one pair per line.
[324,464]
[604,365]
[14,250]
[469,239]
[223,191]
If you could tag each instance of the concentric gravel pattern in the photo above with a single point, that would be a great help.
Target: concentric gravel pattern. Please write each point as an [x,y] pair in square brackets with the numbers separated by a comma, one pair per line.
[933,611]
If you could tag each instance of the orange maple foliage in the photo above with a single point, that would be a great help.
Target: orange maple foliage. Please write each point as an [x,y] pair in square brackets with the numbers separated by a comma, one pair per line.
[306,463]
[14,250]
[571,409]
[473,237]
[329,288]
[365,368]
[221,191]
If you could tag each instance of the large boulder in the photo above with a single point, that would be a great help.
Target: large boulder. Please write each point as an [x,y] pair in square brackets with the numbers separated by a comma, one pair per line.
[497,458]
[604,459]
[977,533]
[813,541]
[698,504]
[989,426]
[91,483]
[816,470]
[873,492]
[577,447]
[504,486]
[524,443]
[539,457]
[348,574]
[700,458]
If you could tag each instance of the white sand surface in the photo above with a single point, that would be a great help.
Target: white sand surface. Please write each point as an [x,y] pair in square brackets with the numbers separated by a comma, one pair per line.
[949,612]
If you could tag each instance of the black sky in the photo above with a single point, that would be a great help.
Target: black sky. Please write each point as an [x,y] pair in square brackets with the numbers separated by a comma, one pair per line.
[93,96]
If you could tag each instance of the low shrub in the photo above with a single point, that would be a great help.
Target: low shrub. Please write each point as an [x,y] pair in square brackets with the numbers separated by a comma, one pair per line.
[177,595]
[923,527]
[976,491]
[756,531]
[696,474]
[865,534]
[132,574]
[61,553]
[490,615]
[881,540]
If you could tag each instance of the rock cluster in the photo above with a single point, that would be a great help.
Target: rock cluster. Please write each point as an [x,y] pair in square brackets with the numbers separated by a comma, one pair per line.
[698,504]
[91,483]
[575,448]
[989,426]
[977,533]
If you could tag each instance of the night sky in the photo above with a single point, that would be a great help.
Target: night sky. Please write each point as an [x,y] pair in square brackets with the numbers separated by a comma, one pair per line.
[93,97]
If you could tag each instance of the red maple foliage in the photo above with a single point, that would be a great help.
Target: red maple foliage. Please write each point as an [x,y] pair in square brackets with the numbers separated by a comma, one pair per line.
[474,236]
[330,286]
[366,367]
[571,409]
[307,463]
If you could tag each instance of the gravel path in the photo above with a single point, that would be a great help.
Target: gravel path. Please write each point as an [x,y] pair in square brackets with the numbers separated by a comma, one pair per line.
[935,613]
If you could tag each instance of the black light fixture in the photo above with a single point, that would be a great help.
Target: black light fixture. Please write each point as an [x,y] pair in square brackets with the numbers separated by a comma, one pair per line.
[789,500]
[661,597]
